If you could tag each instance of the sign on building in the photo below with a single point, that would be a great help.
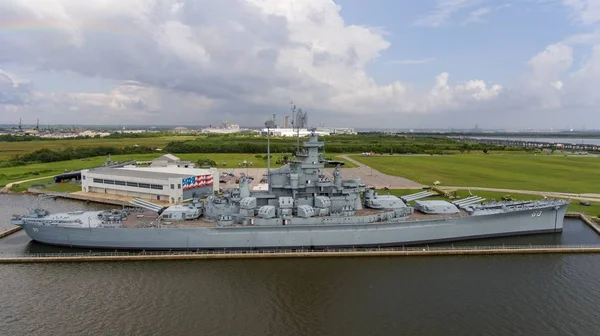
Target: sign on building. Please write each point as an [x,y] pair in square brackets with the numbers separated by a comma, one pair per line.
[195,182]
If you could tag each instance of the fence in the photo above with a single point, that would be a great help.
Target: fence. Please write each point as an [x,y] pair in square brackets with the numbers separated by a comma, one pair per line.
[333,251]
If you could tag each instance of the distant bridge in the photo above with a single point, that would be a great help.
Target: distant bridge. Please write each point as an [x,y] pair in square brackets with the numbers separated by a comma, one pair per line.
[530,144]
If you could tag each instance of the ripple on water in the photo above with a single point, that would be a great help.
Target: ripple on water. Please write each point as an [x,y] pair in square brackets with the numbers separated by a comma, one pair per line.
[452,295]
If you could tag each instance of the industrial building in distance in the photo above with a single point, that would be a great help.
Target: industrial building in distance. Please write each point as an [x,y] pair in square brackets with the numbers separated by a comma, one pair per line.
[166,179]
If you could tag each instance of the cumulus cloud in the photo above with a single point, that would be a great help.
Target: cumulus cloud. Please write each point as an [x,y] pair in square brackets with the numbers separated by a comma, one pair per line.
[555,81]
[585,11]
[13,95]
[227,56]
[413,61]
[443,10]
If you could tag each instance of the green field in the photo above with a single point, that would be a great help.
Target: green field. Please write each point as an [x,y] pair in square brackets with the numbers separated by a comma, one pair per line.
[10,149]
[576,174]
[64,187]
[592,210]
[19,173]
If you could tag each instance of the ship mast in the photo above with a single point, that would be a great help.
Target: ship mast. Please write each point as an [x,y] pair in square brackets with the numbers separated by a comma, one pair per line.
[269,124]
[294,125]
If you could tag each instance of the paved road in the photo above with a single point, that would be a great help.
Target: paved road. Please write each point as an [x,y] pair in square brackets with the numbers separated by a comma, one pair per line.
[375,178]
[368,176]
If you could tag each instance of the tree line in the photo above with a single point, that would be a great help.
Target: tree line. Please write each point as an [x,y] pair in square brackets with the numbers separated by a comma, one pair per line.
[73,153]
[379,144]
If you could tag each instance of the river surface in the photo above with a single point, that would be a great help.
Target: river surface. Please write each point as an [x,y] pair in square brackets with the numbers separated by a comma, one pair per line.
[449,295]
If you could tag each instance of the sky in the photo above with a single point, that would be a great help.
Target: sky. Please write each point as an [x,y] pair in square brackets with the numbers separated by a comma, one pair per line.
[348,63]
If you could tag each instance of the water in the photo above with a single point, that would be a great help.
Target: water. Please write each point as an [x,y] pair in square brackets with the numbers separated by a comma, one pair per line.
[450,295]
[476,295]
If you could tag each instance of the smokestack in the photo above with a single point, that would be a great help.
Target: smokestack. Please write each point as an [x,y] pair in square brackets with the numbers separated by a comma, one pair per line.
[286,120]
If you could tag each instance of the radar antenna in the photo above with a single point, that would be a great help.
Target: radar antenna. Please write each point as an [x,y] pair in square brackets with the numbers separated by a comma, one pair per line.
[294,123]
[303,119]
[302,122]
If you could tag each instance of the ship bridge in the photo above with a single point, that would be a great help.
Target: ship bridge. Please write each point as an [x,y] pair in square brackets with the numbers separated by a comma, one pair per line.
[310,156]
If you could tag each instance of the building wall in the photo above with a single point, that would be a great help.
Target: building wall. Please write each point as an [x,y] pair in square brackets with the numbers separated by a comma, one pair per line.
[151,189]
[173,189]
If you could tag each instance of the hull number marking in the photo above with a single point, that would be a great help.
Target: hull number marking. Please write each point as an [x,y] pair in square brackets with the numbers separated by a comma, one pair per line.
[536,213]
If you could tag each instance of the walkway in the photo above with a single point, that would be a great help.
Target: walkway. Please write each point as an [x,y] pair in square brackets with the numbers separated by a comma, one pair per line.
[295,253]
[377,179]
[368,176]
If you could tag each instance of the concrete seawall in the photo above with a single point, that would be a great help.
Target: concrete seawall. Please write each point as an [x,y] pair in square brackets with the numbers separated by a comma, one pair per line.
[586,219]
[339,253]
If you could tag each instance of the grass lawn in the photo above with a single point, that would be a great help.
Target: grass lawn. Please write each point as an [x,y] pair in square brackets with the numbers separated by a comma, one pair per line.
[10,149]
[64,187]
[575,174]
[592,210]
[26,185]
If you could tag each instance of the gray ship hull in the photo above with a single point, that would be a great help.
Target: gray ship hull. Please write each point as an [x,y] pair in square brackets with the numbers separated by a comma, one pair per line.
[538,220]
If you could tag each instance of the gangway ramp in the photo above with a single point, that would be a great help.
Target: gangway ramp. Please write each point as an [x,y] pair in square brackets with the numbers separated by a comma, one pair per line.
[146,205]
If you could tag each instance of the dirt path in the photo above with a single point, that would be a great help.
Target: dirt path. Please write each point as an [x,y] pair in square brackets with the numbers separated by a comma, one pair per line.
[9,185]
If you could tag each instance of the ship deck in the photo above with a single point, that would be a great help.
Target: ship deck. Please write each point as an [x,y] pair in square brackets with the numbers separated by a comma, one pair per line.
[150,218]
[147,218]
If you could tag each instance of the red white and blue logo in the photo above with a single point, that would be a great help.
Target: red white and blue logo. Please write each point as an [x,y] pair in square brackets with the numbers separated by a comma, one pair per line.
[199,181]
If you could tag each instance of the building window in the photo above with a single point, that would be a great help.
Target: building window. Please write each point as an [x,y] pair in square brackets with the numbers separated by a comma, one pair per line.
[144,185]
[178,186]
[156,186]
[98,180]
[132,184]
[172,186]
[109,182]
[83,177]
[121,183]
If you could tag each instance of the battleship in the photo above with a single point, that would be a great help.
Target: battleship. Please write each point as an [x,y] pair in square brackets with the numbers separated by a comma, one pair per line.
[301,208]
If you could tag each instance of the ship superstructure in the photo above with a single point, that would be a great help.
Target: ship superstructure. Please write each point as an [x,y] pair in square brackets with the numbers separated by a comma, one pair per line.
[303,207]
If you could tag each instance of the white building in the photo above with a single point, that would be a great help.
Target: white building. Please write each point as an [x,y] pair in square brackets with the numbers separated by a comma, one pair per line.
[336,130]
[169,184]
[291,132]
[170,160]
